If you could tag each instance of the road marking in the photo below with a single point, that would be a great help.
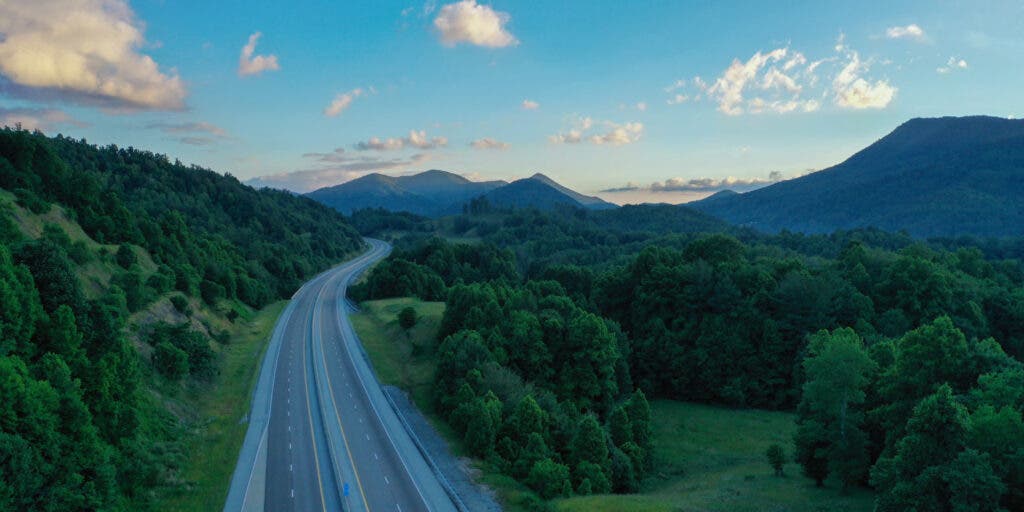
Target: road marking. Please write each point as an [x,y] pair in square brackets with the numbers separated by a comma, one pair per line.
[387,481]
[293,493]
[367,437]
[312,433]
[291,467]
[375,457]
[289,446]
[344,437]
[289,428]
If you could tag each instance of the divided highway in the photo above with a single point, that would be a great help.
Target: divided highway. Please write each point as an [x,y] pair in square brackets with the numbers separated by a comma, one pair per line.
[322,436]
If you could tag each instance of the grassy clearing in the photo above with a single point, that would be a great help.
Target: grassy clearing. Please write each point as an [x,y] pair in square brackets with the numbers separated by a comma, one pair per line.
[712,459]
[218,433]
[402,359]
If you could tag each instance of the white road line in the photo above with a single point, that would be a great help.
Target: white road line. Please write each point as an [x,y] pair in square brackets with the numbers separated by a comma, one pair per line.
[291,467]
[289,446]
[367,437]
[375,456]
[293,493]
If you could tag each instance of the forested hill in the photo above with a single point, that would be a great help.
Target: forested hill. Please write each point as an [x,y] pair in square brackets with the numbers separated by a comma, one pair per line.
[214,234]
[930,177]
[121,274]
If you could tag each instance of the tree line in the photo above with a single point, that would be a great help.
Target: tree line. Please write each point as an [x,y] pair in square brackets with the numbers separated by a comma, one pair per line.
[927,334]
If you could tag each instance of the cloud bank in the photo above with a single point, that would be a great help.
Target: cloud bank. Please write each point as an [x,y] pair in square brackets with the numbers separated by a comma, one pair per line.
[43,119]
[82,51]
[415,139]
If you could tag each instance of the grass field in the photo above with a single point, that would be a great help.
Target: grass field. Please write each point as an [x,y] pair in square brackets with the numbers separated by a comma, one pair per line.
[712,459]
[217,438]
[402,359]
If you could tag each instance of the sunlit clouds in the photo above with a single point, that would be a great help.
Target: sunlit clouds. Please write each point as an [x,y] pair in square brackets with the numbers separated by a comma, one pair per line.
[471,23]
[83,51]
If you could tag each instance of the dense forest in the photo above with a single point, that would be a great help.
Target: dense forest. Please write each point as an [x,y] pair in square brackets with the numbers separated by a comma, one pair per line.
[79,427]
[900,356]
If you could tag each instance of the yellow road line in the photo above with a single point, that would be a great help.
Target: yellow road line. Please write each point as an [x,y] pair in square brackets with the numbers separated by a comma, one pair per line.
[344,438]
[312,434]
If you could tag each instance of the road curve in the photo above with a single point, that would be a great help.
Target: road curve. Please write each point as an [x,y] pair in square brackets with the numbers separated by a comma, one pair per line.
[321,434]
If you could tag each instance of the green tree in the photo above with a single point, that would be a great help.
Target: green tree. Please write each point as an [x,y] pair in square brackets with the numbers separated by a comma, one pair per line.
[587,373]
[830,438]
[925,358]
[776,458]
[619,426]
[170,361]
[548,478]
[125,256]
[407,318]
[932,469]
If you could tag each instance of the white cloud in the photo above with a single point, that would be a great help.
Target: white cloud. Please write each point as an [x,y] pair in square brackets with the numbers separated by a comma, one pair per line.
[377,144]
[678,84]
[82,51]
[701,184]
[853,91]
[616,134]
[575,134]
[43,119]
[642,106]
[767,82]
[342,102]
[677,99]
[420,140]
[530,105]
[468,22]
[488,143]
[912,32]
[953,64]
[248,64]
[416,139]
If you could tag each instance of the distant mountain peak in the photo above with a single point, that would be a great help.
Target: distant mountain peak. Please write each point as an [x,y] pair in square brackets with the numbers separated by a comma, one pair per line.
[944,176]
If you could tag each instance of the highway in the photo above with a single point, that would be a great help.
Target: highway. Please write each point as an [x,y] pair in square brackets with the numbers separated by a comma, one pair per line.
[321,435]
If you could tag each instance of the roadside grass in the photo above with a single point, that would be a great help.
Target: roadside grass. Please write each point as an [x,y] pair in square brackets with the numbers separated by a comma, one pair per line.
[402,359]
[216,435]
[713,459]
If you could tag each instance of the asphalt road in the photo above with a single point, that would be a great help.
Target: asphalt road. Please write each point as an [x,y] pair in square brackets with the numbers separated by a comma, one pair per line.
[321,435]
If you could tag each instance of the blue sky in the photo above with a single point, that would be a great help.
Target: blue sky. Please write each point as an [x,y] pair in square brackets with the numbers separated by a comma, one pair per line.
[615,104]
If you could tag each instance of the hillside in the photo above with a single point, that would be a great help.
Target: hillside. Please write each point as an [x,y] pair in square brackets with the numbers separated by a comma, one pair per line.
[437,193]
[428,193]
[590,202]
[931,177]
[529,193]
[125,280]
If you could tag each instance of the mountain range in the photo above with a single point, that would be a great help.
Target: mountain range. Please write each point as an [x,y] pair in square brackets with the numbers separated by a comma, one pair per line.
[436,192]
[929,177]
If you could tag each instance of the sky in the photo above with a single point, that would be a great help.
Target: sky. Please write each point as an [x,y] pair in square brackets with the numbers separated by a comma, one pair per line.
[660,101]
